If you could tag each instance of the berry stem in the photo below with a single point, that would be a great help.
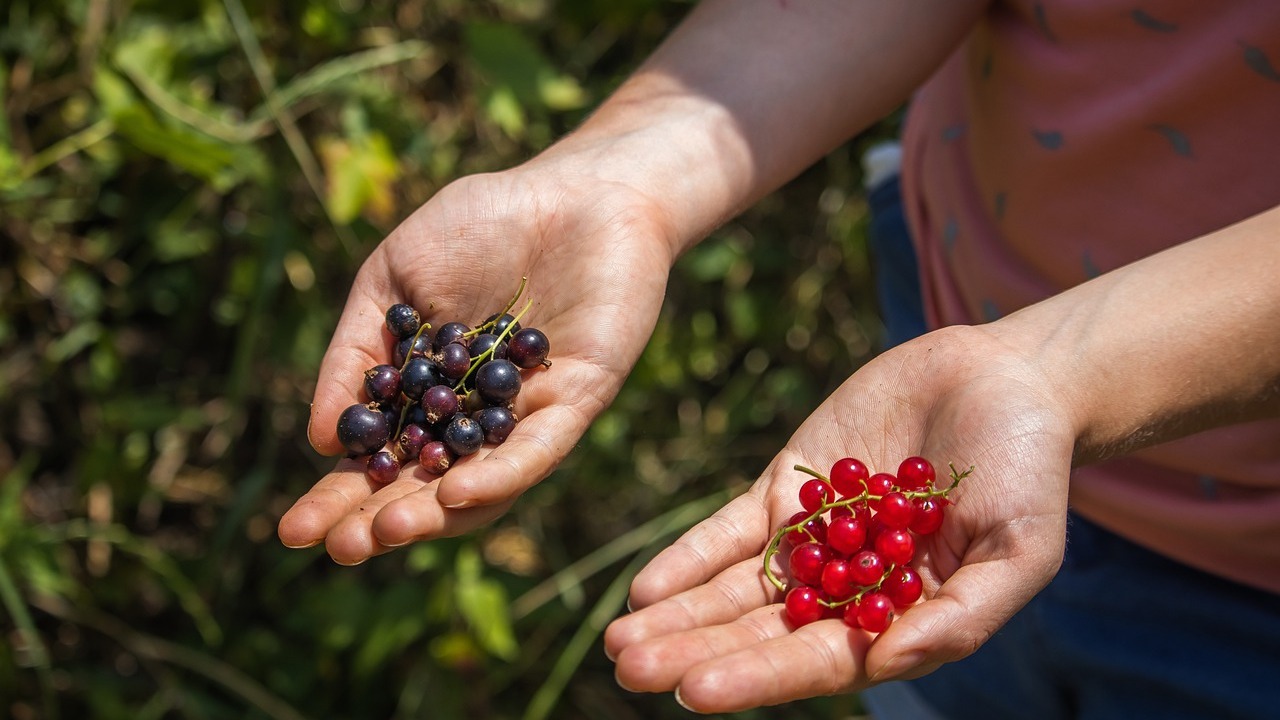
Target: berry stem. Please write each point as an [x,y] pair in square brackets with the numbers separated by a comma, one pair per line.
[478,360]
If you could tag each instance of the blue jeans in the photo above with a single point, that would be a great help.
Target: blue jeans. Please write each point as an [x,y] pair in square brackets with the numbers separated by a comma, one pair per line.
[1120,633]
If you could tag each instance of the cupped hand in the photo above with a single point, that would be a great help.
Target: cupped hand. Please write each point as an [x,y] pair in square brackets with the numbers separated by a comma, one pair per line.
[709,625]
[596,256]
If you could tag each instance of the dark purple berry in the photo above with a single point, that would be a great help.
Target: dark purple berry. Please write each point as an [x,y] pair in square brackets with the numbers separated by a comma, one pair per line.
[463,436]
[363,429]
[435,457]
[440,402]
[382,383]
[496,422]
[419,374]
[498,381]
[411,440]
[500,324]
[416,415]
[383,467]
[473,403]
[454,360]
[528,348]
[420,348]
[484,342]
[403,320]
[450,332]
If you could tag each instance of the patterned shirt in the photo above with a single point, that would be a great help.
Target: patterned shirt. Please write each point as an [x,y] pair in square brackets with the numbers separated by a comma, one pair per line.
[1066,138]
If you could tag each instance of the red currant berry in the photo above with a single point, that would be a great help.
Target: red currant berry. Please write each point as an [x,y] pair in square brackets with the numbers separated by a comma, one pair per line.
[846,534]
[851,615]
[875,612]
[915,473]
[926,516]
[802,606]
[896,547]
[841,511]
[837,582]
[866,568]
[902,586]
[814,494]
[816,529]
[848,475]
[895,511]
[879,485]
[807,561]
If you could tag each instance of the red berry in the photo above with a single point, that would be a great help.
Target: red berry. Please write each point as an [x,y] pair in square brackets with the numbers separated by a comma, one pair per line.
[851,615]
[895,511]
[879,485]
[802,606]
[866,568]
[896,547]
[817,529]
[902,586]
[926,516]
[837,582]
[875,612]
[841,511]
[915,473]
[807,561]
[848,475]
[814,494]
[846,534]
[383,467]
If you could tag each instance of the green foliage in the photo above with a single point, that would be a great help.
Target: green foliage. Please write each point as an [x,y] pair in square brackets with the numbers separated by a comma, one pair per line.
[186,189]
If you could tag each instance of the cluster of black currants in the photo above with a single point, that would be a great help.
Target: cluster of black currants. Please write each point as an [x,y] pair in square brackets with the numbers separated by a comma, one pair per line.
[443,395]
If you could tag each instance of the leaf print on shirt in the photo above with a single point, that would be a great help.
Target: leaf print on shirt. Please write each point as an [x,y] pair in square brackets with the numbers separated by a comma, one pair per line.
[1258,61]
[1151,23]
[1048,139]
[1177,139]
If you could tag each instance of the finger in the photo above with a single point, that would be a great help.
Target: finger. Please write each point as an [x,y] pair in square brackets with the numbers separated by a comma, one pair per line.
[727,597]
[658,664]
[328,501]
[360,341]
[350,541]
[418,515]
[971,605]
[737,531]
[558,405]
[821,658]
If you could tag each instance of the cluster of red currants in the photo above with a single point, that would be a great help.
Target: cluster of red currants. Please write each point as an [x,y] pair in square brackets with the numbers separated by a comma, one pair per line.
[852,545]
[443,395]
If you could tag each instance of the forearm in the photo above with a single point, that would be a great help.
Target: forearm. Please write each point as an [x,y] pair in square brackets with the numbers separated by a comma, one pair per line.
[747,93]
[1178,342]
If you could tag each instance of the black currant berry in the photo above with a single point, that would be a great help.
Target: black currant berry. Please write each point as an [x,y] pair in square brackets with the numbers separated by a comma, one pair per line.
[484,342]
[383,467]
[435,457]
[528,348]
[498,381]
[500,324]
[440,402]
[463,436]
[419,374]
[496,422]
[454,361]
[416,415]
[382,383]
[411,440]
[363,429]
[450,332]
[403,320]
[420,348]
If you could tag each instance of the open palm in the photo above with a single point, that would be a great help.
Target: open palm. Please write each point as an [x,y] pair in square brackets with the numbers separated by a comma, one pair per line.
[596,260]
[708,624]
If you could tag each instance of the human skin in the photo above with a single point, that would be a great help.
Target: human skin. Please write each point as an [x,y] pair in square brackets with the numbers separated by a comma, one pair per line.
[742,97]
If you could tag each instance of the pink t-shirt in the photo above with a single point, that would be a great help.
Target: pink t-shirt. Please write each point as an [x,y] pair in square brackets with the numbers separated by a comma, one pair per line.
[1068,138]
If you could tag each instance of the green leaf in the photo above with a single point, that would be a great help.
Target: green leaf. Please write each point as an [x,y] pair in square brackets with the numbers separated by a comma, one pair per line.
[505,111]
[484,604]
[361,173]
[519,73]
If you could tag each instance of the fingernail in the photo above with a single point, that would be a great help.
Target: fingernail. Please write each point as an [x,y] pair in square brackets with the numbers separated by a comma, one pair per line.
[460,505]
[304,546]
[681,702]
[622,684]
[350,564]
[629,606]
[898,665]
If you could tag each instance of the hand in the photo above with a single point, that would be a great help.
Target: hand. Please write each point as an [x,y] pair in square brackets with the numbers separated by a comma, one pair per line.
[707,622]
[596,256]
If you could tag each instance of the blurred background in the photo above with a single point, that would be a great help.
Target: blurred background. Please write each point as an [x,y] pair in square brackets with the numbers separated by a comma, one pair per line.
[187,188]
